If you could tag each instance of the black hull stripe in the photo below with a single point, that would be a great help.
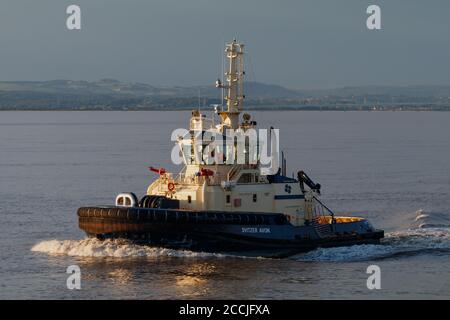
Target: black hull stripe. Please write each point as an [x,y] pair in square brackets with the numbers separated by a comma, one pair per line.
[288,197]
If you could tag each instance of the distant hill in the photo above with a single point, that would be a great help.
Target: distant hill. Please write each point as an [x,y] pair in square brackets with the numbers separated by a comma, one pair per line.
[111,94]
[394,91]
[114,87]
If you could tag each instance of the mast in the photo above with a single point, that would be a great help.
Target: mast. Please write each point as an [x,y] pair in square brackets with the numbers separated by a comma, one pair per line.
[234,87]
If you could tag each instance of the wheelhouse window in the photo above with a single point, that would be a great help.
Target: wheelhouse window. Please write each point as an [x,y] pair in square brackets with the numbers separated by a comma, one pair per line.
[246,178]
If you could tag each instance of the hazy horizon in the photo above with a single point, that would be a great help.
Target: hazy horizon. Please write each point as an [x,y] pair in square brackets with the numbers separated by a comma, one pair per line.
[263,83]
[296,44]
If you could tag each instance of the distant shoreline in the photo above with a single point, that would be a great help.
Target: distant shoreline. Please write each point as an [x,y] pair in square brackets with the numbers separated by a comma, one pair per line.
[114,95]
[336,109]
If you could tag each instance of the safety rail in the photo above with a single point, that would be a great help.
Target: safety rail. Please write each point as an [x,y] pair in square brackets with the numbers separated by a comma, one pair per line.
[192,179]
[315,208]
[233,171]
[319,216]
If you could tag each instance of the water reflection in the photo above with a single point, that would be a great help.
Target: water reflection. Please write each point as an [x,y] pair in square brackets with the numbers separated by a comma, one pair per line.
[195,280]
[121,276]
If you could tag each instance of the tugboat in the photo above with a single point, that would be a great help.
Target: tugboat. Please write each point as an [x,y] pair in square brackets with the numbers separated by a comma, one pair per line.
[217,205]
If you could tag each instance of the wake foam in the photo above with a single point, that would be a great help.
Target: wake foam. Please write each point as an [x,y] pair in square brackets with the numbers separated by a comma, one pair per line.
[352,253]
[424,220]
[92,247]
[425,238]
[395,244]
[428,233]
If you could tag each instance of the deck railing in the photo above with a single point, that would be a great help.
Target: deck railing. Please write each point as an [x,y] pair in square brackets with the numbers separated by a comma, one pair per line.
[314,208]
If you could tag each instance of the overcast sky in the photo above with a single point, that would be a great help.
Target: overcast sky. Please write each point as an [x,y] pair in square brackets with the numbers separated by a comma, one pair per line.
[297,44]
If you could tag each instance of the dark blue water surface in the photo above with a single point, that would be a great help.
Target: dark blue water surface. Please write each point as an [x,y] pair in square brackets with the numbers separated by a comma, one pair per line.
[391,167]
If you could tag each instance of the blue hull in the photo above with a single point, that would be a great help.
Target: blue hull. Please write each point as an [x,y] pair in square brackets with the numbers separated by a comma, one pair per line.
[241,233]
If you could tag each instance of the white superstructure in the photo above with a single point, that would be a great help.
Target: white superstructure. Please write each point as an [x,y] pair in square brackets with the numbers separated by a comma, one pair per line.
[204,184]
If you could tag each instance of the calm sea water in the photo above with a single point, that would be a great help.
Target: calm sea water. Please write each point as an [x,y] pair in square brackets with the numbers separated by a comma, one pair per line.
[392,167]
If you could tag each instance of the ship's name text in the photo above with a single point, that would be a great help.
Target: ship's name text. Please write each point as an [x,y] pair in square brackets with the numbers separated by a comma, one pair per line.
[256,230]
